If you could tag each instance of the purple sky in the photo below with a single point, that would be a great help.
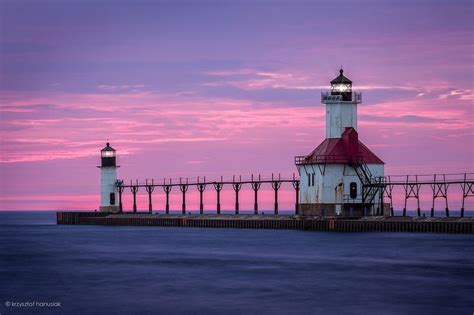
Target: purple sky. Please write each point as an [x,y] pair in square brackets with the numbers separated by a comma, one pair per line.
[193,88]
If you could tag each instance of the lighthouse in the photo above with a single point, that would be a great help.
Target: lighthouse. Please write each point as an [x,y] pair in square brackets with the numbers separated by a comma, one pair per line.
[108,177]
[341,176]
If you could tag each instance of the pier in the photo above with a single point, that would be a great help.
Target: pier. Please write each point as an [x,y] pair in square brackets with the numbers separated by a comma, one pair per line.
[280,222]
[407,187]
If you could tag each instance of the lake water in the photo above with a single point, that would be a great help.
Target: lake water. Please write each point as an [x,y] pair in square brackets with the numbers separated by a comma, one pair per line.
[153,270]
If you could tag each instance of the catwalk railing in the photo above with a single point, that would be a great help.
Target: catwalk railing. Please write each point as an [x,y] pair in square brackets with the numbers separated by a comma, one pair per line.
[438,185]
[411,186]
[201,183]
[327,97]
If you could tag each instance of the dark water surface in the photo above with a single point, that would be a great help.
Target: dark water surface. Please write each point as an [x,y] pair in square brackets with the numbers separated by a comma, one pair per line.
[153,270]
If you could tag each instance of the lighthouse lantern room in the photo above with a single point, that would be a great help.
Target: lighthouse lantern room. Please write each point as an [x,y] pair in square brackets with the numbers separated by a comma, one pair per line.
[341,176]
[108,178]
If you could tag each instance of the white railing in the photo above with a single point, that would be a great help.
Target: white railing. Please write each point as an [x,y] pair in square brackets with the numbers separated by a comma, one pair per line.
[328,97]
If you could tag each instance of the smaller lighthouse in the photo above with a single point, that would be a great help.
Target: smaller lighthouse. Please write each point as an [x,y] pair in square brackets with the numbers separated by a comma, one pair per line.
[108,177]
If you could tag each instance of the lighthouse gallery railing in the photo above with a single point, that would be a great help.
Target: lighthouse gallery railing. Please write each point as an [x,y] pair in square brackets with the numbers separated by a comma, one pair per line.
[328,97]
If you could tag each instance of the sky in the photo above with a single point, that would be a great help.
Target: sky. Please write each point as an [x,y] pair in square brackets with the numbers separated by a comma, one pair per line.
[222,88]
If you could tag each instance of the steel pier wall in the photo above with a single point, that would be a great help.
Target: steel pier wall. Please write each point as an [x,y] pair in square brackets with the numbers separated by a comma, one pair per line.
[263,222]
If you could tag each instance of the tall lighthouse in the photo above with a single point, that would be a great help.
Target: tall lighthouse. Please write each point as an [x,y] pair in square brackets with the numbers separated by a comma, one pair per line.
[108,177]
[341,177]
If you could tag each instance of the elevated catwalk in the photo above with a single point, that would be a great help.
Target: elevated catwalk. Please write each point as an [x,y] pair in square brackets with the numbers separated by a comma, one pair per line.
[407,187]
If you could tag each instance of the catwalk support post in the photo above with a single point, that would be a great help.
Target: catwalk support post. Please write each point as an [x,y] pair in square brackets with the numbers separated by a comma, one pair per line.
[149,190]
[276,184]
[167,189]
[255,186]
[184,188]
[412,190]
[201,187]
[467,191]
[440,190]
[120,188]
[236,186]
[388,189]
[134,190]
[218,187]
[296,186]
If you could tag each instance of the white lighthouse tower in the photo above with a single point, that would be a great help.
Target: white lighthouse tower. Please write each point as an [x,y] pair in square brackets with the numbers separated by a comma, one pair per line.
[341,177]
[108,177]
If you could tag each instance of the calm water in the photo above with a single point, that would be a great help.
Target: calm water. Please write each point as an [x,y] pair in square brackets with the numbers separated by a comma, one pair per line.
[150,270]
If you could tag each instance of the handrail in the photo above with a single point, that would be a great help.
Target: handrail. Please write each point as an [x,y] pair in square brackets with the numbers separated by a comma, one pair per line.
[329,97]
[203,180]
[323,159]
[425,179]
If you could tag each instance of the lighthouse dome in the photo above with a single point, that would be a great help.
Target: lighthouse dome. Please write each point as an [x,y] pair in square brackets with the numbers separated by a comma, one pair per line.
[341,78]
[342,87]
[108,151]
[108,155]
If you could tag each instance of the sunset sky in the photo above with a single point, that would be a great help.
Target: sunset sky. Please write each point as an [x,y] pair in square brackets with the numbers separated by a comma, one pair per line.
[211,88]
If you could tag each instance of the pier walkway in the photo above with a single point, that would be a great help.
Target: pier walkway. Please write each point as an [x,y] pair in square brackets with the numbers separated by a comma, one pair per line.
[284,222]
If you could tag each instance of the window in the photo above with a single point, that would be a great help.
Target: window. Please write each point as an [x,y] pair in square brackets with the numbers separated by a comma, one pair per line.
[353,190]
[108,153]
[112,199]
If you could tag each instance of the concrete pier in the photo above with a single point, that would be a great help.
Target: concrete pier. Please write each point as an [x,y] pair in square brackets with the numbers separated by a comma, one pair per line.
[285,222]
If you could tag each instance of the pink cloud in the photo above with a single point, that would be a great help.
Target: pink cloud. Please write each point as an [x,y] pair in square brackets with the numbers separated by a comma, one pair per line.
[186,133]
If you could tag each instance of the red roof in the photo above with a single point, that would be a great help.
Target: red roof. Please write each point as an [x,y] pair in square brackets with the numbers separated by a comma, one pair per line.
[342,150]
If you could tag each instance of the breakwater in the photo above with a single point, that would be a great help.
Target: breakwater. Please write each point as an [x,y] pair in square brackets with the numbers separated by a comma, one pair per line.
[284,222]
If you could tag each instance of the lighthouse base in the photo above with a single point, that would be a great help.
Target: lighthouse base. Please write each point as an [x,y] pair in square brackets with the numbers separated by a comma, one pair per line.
[109,209]
[342,210]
